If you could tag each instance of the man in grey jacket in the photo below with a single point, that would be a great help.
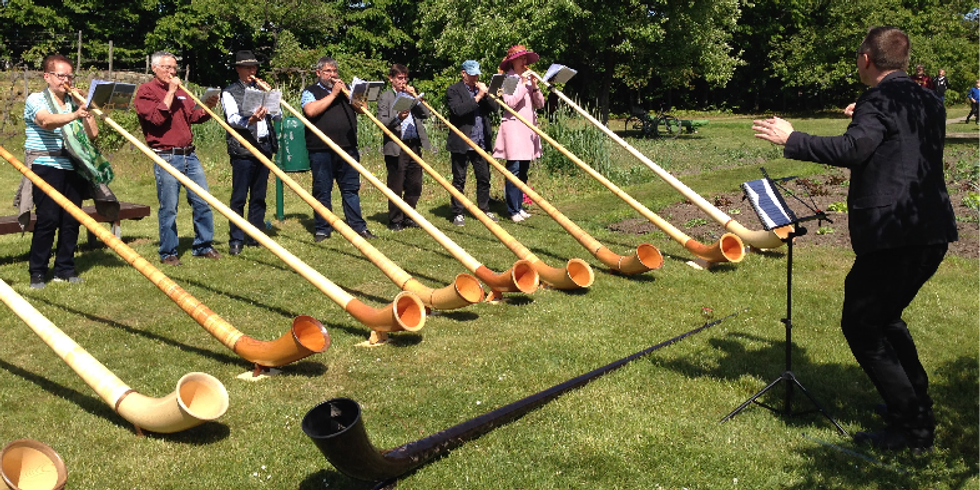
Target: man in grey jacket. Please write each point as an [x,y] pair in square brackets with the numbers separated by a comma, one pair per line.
[404,173]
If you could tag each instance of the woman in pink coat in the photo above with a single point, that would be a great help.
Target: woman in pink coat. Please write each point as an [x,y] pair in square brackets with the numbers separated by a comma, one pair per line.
[516,142]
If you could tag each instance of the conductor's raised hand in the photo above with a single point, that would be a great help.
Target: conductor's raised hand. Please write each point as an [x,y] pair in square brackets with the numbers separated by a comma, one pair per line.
[775,130]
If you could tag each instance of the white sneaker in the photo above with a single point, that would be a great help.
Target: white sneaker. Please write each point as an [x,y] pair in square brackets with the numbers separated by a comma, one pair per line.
[524,214]
[459,220]
[517,218]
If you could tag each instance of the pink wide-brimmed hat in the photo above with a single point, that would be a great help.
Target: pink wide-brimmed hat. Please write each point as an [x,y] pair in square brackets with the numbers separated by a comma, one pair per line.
[516,51]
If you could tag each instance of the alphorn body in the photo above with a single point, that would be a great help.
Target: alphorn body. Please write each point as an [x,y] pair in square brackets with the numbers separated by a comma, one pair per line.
[520,278]
[337,429]
[199,397]
[465,289]
[306,337]
[406,312]
[755,238]
[646,258]
[728,249]
[577,272]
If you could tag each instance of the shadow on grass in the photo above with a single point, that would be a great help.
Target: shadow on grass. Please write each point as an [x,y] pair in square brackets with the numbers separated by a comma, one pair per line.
[953,462]
[334,480]
[219,357]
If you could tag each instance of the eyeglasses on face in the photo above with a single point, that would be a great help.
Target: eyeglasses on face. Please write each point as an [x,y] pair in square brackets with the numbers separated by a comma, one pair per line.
[62,76]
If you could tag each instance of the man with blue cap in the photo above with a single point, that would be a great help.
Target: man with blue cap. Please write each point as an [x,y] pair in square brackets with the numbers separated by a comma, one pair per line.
[469,110]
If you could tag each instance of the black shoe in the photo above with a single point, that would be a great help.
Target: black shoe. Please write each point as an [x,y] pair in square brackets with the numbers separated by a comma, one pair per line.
[396,227]
[410,223]
[319,237]
[235,248]
[252,243]
[366,233]
[37,281]
[895,439]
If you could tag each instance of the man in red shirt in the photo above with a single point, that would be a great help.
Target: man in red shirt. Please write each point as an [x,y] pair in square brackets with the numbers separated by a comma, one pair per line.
[165,114]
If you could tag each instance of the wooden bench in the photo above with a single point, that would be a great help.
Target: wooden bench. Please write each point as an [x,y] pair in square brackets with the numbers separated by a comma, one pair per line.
[127,210]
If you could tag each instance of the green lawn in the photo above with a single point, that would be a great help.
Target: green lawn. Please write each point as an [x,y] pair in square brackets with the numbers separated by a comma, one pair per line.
[651,425]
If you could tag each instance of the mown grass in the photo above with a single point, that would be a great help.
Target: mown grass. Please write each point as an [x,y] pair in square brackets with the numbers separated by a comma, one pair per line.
[653,424]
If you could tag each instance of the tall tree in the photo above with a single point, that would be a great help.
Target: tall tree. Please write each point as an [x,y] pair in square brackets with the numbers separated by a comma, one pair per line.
[630,43]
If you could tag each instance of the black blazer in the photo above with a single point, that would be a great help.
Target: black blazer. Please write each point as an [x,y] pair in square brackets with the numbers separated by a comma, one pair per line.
[462,114]
[894,148]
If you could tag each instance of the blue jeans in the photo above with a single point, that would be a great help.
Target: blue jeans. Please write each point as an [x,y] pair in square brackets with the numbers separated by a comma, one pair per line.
[249,182]
[168,193]
[327,166]
[512,194]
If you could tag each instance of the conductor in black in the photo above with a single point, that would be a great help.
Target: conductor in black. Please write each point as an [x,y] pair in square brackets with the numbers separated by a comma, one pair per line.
[900,221]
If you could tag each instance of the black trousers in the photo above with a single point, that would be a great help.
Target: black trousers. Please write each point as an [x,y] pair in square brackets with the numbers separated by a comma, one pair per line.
[481,170]
[51,218]
[405,180]
[249,183]
[974,111]
[877,290]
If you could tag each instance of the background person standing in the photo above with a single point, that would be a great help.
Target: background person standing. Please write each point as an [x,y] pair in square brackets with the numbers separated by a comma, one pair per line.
[404,173]
[249,176]
[470,110]
[46,115]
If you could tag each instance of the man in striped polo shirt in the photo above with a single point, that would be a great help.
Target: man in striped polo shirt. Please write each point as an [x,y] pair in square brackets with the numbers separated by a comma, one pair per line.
[45,114]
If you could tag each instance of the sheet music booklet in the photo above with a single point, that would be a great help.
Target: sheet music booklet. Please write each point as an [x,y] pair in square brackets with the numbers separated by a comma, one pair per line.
[559,73]
[507,83]
[108,95]
[404,102]
[208,93]
[364,90]
[257,98]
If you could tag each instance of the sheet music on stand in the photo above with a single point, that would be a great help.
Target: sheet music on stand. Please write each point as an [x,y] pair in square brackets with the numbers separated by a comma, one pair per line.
[767,201]
[768,204]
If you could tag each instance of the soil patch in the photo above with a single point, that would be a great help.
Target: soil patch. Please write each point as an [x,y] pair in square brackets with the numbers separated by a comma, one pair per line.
[826,190]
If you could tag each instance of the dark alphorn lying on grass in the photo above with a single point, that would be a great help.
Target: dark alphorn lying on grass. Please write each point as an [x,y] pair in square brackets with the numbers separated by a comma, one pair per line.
[406,312]
[729,247]
[520,278]
[755,238]
[577,272]
[199,397]
[464,291]
[646,258]
[306,337]
[337,429]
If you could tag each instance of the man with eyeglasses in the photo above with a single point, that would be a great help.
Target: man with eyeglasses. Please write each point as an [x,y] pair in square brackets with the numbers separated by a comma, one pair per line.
[165,114]
[900,220]
[326,106]
[46,116]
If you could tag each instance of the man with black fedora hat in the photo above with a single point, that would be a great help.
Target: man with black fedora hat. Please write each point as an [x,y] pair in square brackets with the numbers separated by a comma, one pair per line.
[249,176]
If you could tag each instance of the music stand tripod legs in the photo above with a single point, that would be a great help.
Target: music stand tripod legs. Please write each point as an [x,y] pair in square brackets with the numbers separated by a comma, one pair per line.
[787,375]
[767,201]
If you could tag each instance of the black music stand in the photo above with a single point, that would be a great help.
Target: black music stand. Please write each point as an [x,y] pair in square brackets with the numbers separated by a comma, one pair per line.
[774,213]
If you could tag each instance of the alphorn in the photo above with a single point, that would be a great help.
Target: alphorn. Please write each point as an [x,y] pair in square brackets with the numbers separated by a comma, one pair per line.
[26,464]
[755,238]
[520,278]
[337,429]
[406,312]
[465,289]
[306,337]
[199,397]
[577,272]
[646,258]
[729,247]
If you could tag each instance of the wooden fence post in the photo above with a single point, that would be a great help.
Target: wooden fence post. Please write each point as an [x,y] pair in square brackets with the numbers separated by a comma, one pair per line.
[110,59]
[78,59]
